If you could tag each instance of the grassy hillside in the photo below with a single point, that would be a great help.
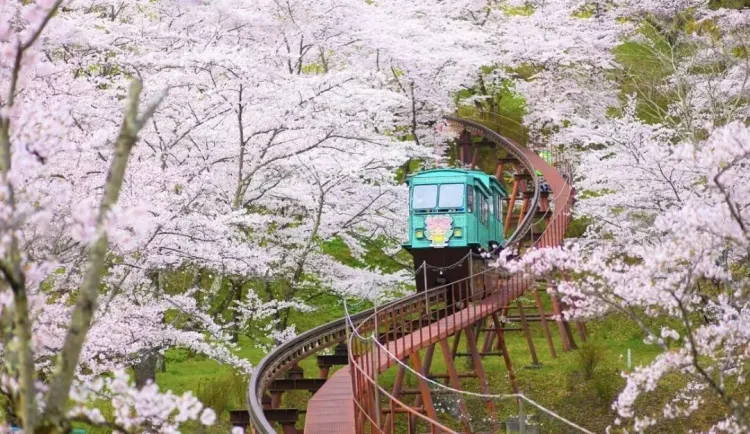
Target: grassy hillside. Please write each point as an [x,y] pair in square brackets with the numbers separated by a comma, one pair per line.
[561,383]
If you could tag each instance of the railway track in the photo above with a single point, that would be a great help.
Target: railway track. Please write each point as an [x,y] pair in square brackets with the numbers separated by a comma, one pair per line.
[425,316]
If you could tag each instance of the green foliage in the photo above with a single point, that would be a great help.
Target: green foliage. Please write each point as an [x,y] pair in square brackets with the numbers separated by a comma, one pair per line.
[374,257]
[729,4]
[591,382]
[178,355]
[708,68]
[643,68]
[577,227]
[523,11]
[313,68]
[411,166]
[741,52]
[587,10]
[586,194]
[614,112]
[222,393]
[589,356]
[507,106]
[524,71]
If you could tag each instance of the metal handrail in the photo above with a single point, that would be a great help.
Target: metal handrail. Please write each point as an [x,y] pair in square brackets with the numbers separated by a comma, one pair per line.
[287,354]
[311,341]
[367,360]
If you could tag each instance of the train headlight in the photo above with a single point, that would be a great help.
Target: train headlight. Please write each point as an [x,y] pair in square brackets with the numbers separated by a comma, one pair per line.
[457,232]
[419,233]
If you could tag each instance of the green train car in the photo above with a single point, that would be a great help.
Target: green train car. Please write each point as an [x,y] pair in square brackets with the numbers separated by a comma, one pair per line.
[451,212]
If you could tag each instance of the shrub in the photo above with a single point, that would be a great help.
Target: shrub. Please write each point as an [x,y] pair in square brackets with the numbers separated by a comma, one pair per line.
[222,392]
[589,357]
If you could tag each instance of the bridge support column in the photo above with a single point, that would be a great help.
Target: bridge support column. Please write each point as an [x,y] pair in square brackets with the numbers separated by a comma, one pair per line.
[464,141]
[456,343]
[511,205]
[424,389]
[504,312]
[489,337]
[504,349]
[560,321]
[474,158]
[276,399]
[544,206]
[288,428]
[527,332]
[423,369]
[295,372]
[543,319]
[388,424]
[455,383]
[476,358]
[525,206]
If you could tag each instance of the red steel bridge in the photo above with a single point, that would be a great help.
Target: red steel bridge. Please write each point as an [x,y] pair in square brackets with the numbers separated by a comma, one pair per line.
[410,329]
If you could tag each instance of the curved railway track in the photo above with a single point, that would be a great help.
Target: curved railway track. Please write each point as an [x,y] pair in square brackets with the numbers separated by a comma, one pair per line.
[425,313]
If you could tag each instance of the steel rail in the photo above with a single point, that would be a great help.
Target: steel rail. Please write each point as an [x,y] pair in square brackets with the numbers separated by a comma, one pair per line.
[514,149]
[368,361]
[283,357]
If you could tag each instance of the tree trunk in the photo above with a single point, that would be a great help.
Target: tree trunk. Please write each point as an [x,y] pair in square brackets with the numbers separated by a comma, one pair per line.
[161,363]
[235,314]
[145,369]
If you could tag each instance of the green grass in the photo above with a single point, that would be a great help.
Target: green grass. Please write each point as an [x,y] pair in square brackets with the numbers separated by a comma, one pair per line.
[560,384]
[556,384]
[553,385]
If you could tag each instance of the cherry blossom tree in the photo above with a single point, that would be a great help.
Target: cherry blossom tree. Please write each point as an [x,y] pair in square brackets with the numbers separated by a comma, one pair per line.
[675,251]
[663,185]
[282,127]
[277,134]
[37,133]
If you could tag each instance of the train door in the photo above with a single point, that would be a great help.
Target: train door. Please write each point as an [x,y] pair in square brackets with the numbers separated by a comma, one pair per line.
[483,234]
[471,213]
[493,219]
[499,218]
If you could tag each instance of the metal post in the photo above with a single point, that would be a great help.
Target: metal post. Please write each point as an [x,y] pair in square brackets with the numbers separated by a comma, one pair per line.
[629,359]
[521,417]
[376,364]
[426,298]
[471,278]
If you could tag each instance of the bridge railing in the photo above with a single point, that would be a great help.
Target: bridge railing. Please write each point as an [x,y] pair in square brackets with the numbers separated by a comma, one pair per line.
[364,376]
[399,330]
[404,328]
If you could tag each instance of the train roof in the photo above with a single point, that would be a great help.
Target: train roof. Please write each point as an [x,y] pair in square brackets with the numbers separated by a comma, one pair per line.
[435,175]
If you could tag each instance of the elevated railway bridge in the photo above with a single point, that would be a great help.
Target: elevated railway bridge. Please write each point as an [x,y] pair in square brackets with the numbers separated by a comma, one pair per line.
[410,330]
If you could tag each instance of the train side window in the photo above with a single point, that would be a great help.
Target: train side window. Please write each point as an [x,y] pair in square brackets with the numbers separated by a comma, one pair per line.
[499,208]
[484,208]
[470,198]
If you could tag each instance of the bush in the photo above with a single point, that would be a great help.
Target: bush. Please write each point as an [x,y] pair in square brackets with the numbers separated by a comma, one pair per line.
[176,355]
[607,386]
[589,357]
[593,384]
[222,393]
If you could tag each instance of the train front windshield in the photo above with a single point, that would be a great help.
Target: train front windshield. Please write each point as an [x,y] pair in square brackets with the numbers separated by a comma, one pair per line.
[451,196]
[425,197]
[429,196]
